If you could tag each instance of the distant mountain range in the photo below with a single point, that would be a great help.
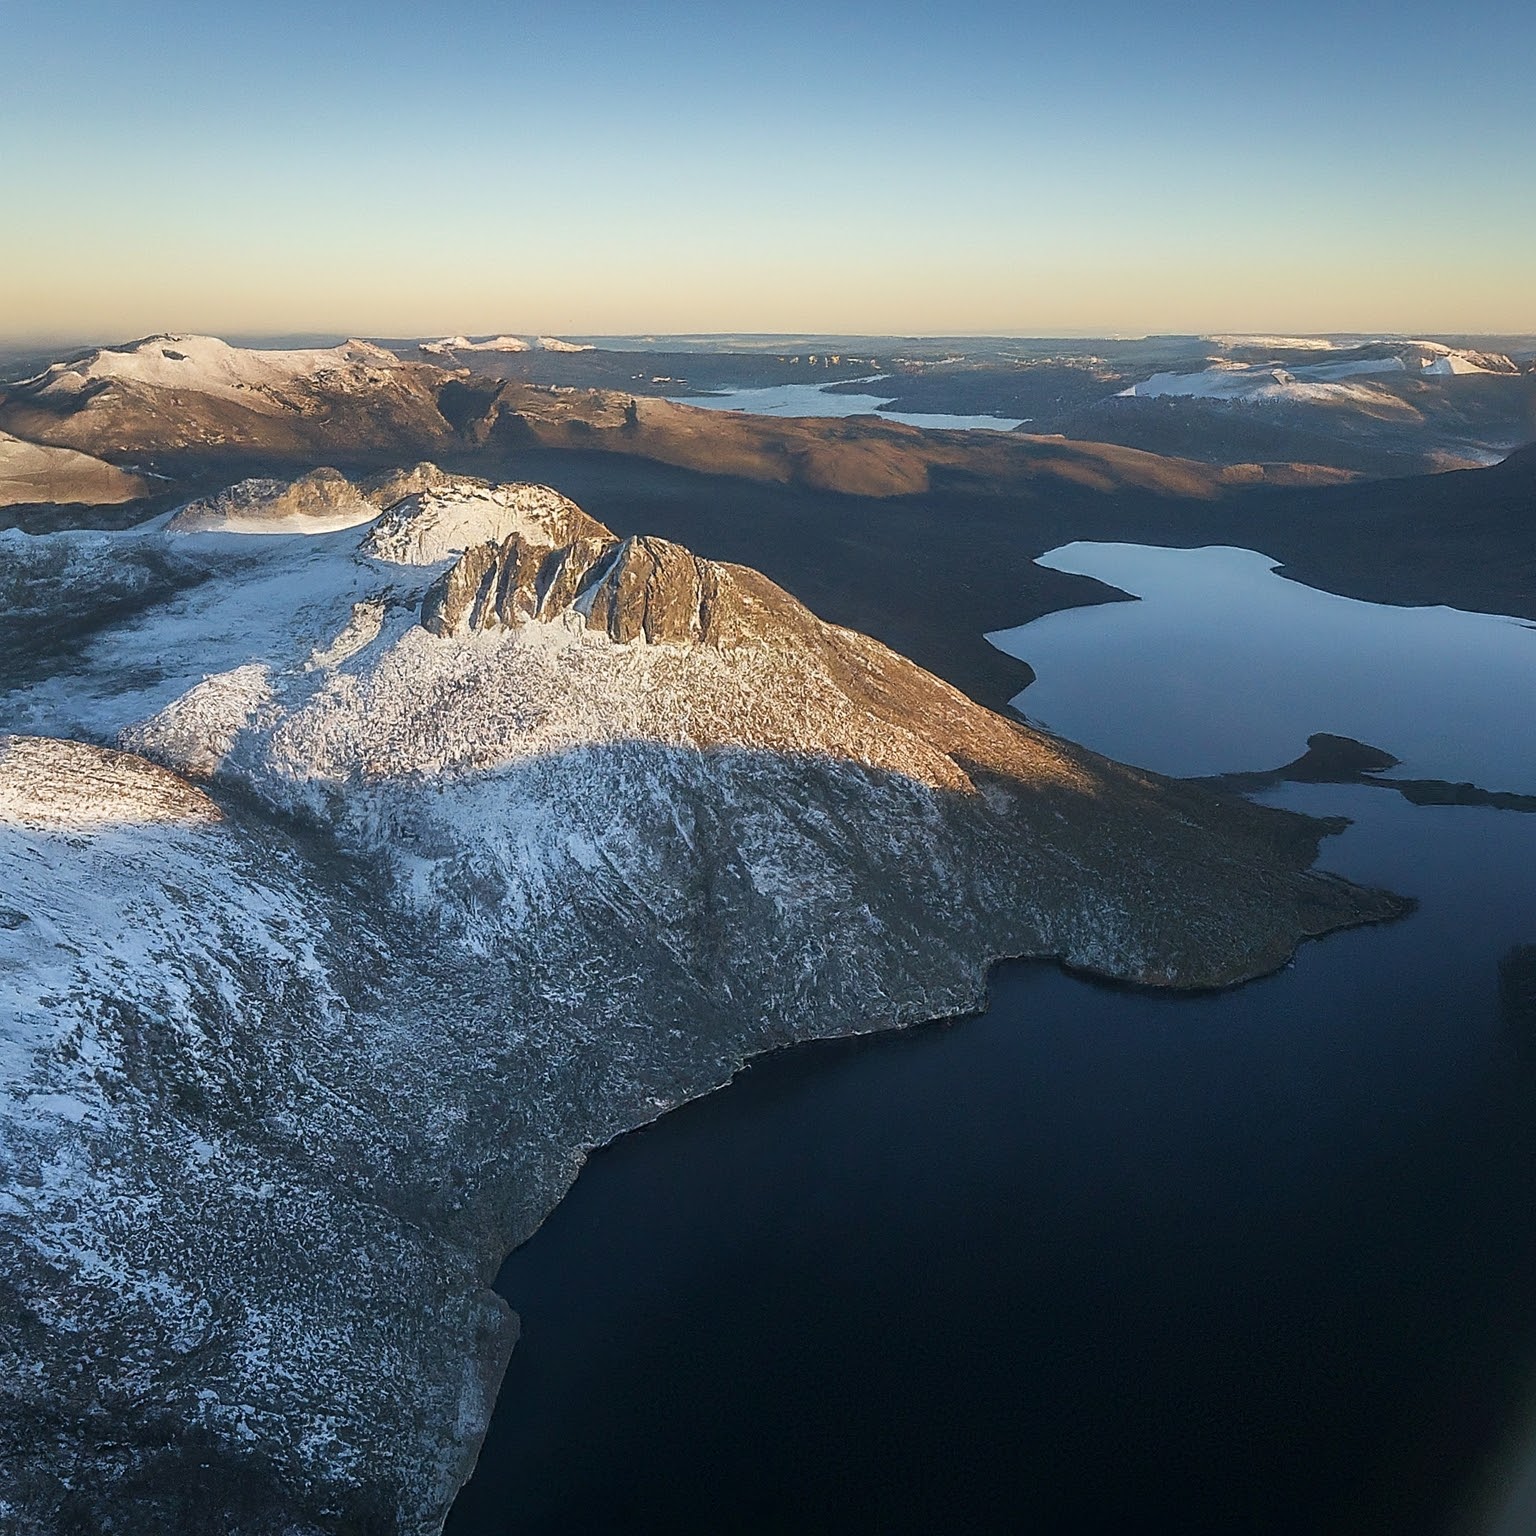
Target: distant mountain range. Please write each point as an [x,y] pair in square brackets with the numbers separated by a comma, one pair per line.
[1380,407]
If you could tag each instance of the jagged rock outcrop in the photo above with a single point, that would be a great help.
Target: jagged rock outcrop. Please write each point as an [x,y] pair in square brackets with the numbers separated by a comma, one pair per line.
[394,485]
[640,588]
[658,590]
[448,852]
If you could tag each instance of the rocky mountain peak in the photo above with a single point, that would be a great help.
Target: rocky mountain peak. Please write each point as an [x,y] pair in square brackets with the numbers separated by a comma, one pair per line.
[455,513]
[390,487]
[322,499]
[640,588]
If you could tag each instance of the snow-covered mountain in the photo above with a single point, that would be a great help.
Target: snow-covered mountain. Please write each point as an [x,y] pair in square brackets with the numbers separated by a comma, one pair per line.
[1447,362]
[1241,379]
[169,393]
[389,845]
[1318,383]
[207,365]
[452,344]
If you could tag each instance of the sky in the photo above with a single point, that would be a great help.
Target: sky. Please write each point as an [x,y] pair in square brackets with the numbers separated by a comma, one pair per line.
[586,167]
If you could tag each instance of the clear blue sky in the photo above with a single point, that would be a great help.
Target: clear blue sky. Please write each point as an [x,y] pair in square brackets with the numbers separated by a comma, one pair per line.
[397,168]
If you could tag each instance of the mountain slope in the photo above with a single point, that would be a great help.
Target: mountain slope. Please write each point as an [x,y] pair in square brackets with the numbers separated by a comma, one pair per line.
[859,455]
[451,848]
[33,472]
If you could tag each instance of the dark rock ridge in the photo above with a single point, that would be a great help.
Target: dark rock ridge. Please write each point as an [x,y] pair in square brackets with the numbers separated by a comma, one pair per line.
[447,850]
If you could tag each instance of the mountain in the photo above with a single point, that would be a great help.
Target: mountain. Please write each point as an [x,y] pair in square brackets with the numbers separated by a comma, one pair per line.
[1318,382]
[858,455]
[882,526]
[357,880]
[1379,408]
[319,502]
[450,345]
[197,393]
[1228,411]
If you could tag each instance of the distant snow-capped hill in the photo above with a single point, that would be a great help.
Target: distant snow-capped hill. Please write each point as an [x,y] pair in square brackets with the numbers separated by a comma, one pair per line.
[452,344]
[175,392]
[1316,383]
[554,344]
[206,365]
[1243,343]
[449,847]
[1247,377]
[1448,361]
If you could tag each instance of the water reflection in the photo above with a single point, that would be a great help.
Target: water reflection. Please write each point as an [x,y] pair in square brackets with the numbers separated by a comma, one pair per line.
[818,400]
[1225,666]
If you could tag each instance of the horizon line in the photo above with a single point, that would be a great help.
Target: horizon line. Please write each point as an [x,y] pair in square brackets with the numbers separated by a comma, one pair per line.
[235,336]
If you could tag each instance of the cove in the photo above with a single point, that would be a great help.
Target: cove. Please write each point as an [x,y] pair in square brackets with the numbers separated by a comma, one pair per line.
[1099,1259]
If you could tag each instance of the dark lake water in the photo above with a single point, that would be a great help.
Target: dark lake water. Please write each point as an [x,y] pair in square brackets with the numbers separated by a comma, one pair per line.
[1098,1260]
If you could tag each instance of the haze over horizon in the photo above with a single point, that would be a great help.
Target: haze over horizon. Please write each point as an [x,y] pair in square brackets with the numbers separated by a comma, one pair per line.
[605,169]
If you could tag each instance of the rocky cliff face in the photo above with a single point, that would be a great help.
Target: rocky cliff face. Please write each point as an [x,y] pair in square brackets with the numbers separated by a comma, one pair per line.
[641,588]
[445,851]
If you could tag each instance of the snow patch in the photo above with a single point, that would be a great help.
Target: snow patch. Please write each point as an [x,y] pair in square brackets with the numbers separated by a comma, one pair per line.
[1315,383]
[441,523]
[1279,343]
[1455,364]
[450,344]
